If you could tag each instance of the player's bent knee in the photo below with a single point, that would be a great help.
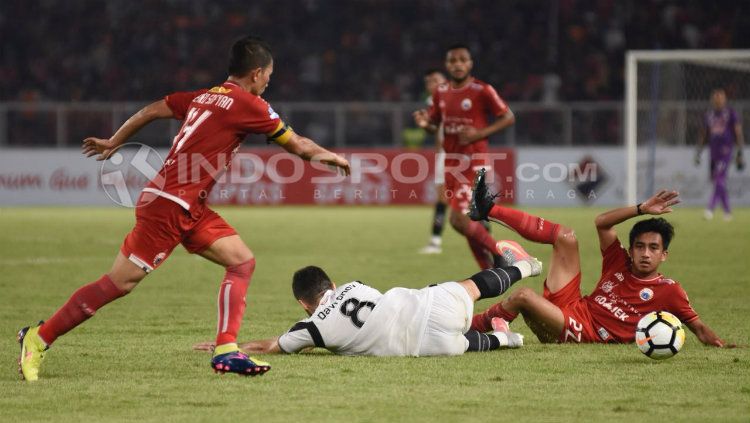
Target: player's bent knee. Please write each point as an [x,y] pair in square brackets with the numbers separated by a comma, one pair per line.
[243,270]
[457,222]
[241,257]
[522,296]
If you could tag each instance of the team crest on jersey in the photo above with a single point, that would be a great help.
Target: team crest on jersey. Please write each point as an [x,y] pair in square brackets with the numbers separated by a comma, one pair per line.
[159,258]
[466,104]
[646,294]
[271,113]
[607,286]
[619,276]
[219,90]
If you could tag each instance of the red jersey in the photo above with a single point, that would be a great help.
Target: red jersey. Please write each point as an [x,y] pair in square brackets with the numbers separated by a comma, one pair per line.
[469,105]
[215,123]
[620,298]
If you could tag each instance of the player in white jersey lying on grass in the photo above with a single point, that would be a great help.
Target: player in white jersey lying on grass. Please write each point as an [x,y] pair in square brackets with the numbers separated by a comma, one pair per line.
[356,319]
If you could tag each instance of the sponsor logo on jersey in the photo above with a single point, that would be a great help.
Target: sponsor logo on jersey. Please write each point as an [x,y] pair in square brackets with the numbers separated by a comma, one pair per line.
[607,286]
[612,307]
[466,104]
[603,334]
[219,90]
[159,258]
[646,294]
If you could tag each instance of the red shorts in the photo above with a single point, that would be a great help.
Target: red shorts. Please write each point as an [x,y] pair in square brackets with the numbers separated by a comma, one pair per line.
[458,189]
[578,326]
[162,224]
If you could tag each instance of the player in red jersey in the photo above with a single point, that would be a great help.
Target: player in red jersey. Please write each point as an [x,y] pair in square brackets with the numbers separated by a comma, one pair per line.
[463,106]
[172,210]
[630,285]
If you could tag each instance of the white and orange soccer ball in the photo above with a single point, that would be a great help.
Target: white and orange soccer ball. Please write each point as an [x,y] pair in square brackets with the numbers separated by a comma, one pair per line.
[659,335]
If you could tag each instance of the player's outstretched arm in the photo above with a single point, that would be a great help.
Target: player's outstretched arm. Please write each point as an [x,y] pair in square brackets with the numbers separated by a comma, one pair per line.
[660,203]
[102,148]
[706,335]
[308,150]
[261,346]
[422,120]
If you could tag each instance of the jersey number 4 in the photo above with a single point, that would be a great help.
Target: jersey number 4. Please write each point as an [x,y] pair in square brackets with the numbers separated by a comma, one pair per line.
[192,121]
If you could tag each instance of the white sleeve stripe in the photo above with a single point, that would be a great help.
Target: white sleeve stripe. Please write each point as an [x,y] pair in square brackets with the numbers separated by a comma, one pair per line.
[168,196]
[140,263]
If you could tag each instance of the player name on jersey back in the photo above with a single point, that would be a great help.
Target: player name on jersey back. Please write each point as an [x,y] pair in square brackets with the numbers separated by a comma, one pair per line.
[359,320]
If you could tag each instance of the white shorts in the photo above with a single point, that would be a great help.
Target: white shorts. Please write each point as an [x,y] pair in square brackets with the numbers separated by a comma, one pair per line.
[448,319]
[440,168]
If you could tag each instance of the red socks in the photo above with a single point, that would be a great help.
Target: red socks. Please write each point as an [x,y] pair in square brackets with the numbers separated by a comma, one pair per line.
[481,243]
[482,322]
[79,308]
[481,255]
[232,301]
[530,227]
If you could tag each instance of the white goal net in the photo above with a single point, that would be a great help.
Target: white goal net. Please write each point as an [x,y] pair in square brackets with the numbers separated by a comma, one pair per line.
[667,96]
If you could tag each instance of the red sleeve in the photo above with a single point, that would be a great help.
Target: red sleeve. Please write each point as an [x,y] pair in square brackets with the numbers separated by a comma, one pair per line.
[436,115]
[179,102]
[678,304]
[615,256]
[258,117]
[496,104]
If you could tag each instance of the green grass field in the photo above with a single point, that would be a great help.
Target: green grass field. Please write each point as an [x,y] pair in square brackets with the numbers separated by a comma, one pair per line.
[133,362]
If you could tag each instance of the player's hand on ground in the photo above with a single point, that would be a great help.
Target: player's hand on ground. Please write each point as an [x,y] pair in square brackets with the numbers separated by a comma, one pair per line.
[421,118]
[204,346]
[468,134]
[660,203]
[101,148]
[733,345]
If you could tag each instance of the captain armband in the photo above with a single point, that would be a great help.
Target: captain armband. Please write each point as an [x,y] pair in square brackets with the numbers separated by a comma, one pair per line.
[281,134]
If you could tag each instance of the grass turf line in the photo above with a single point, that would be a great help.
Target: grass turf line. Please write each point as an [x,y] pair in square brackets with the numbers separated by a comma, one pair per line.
[132,361]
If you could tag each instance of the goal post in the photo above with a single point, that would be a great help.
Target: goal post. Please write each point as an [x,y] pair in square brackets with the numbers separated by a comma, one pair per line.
[666,91]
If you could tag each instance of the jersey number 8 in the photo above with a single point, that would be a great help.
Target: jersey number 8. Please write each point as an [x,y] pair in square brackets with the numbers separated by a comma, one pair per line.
[351,308]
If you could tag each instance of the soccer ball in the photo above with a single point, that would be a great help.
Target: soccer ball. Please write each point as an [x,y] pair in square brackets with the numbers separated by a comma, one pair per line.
[659,335]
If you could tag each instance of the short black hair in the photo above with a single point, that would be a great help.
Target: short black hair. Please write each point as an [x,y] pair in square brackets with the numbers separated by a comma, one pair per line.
[249,53]
[655,224]
[457,46]
[309,282]
[430,71]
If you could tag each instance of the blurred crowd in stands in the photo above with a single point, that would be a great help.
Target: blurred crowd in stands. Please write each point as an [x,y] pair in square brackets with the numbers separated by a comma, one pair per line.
[345,50]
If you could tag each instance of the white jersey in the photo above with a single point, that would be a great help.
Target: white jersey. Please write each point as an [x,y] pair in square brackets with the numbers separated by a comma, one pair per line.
[358,320]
